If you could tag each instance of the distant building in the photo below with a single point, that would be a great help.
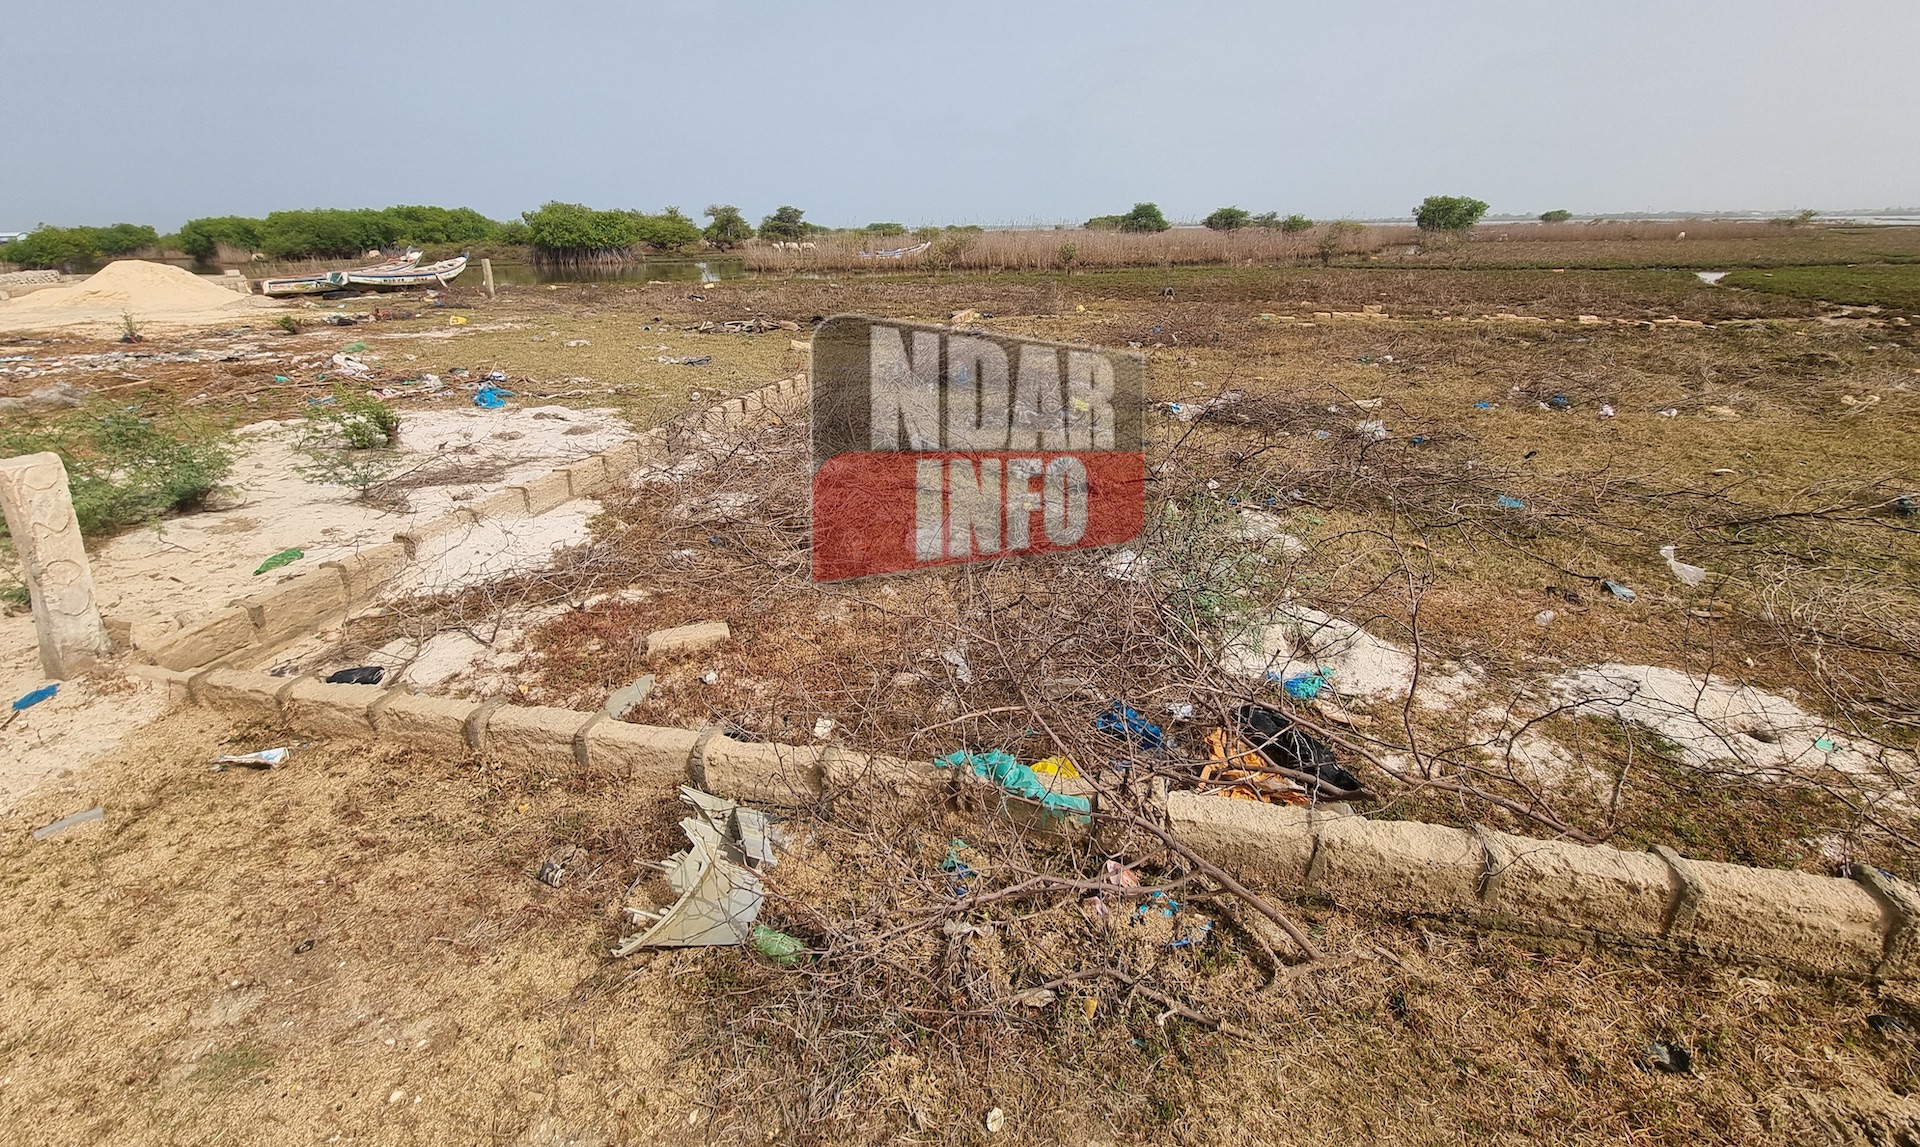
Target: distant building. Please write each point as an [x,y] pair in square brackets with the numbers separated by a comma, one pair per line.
[10,236]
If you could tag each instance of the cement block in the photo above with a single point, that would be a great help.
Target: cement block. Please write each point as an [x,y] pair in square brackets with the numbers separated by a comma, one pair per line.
[508,503]
[536,735]
[179,685]
[687,638]
[1402,865]
[853,774]
[644,753]
[323,710]
[432,536]
[588,477]
[1266,845]
[364,571]
[298,606]
[1816,922]
[434,725]
[1551,886]
[210,638]
[754,771]
[622,459]
[545,492]
[45,535]
[248,696]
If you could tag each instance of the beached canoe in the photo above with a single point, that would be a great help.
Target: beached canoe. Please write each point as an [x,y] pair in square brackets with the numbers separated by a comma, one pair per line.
[323,281]
[429,275]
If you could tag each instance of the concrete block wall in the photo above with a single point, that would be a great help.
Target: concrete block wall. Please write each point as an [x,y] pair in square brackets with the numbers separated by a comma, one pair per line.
[1825,925]
[262,622]
[1658,899]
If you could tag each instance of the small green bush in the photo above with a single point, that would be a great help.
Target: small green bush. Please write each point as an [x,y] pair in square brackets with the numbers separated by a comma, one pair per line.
[1294,224]
[125,468]
[1145,217]
[1448,213]
[348,442]
[885,229]
[1557,215]
[1227,219]
[786,223]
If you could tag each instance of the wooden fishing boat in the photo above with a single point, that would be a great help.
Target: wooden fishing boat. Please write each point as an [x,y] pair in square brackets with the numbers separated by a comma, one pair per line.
[323,281]
[427,275]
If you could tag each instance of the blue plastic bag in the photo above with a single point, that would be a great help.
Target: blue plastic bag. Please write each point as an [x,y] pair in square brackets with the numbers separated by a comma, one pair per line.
[1127,723]
[491,397]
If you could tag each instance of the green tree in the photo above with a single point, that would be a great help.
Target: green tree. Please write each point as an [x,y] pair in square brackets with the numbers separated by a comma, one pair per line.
[786,223]
[1448,213]
[1557,215]
[885,229]
[203,238]
[1105,222]
[1144,217]
[574,229]
[1294,224]
[1227,219]
[728,226]
[124,238]
[50,247]
[667,231]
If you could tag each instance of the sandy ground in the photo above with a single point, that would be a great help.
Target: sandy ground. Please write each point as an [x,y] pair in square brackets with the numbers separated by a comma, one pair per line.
[154,295]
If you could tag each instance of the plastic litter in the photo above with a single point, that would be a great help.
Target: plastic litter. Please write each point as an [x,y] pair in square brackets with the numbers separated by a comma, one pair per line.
[66,822]
[1618,590]
[491,397]
[1688,574]
[1483,406]
[1560,402]
[1275,738]
[1307,686]
[1670,1058]
[264,759]
[36,696]
[1056,767]
[358,675]
[284,557]
[1129,724]
[1508,502]
[1194,936]
[1606,410]
[1825,745]
[962,671]
[779,947]
[686,360]
[718,897]
[1003,770]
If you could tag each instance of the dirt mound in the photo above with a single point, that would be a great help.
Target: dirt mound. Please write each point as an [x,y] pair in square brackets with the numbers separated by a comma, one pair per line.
[147,291]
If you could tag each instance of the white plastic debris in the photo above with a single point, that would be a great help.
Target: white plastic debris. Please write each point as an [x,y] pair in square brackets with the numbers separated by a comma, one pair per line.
[264,759]
[1688,574]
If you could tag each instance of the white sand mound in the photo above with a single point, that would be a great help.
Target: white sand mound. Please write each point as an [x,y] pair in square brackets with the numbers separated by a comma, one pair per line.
[150,292]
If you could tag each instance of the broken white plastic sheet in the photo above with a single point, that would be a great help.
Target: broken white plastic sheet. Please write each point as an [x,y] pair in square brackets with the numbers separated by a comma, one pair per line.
[718,896]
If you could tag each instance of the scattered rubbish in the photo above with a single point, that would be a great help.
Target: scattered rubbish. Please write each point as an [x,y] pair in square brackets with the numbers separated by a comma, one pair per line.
[1181,711]
[710,677]
[1671,1058]
[687,360]
[1003,770]
[624,699]
[1618,590]
[1123,721]
[1056,767]
[303,947]
[1508,502]
[1560,402]
[996,1119]
[1033,998]
[1688,574]
[1322,435]
[1483,406]
[1307,686]
[750,828]
[284,557]
[66,822]
[490,397]
[1670,412]
[1276,738]
[556,864]
[1120,876]
[962,318]
[579,342]
[717,897]
[1193,937]
[779,947]
[264,759]
[1825,745]
[358,675]
[1606,410]
[1125,565]
[34,697]
[962,671]
[823,728]
[1544,618]
[456,320]
[742,326]
[1889,1025]
[1374,430]
[1417,440]
[1369,403]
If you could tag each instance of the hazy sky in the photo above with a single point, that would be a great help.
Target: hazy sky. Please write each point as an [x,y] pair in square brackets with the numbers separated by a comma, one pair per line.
[981,112]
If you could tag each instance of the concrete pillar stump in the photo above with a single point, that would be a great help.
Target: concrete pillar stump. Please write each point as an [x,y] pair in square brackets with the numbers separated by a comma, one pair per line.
[46,536]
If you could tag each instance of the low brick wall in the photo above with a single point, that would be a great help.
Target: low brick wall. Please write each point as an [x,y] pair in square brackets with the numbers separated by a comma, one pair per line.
[259,624]
[1657,899]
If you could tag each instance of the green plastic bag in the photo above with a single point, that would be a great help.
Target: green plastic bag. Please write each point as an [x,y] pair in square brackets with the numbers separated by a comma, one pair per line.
[284,557]
[779,947]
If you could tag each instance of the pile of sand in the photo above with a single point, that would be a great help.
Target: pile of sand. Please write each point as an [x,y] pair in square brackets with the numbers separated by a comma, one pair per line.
[150,292]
